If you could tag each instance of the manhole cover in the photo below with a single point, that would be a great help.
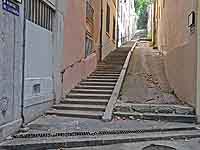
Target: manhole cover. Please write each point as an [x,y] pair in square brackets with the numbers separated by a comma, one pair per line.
[158,147]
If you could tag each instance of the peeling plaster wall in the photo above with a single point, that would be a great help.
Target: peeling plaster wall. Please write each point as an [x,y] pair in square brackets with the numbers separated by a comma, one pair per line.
[179,46]
[11,49]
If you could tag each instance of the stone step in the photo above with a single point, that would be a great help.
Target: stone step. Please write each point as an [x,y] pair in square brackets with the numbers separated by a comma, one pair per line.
[107,66]
[115,59]
[102,77]
[85,101]
[98,83]
[79,107]
[109,69]
[76,113]
[159,116]
[100,80]
[95,91]
[101,87]
[89,96]
[155,108]
[106,74]
[114,62]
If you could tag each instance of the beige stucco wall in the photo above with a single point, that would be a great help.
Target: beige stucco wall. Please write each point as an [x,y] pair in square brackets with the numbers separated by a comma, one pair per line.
[178,45]
[107,41]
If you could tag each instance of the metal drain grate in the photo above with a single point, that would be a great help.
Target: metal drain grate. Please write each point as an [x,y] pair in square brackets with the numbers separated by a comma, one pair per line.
[95,133]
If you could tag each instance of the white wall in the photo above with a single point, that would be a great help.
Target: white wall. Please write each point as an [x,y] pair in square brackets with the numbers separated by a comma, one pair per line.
[127,20]
[38,66]
[11,50]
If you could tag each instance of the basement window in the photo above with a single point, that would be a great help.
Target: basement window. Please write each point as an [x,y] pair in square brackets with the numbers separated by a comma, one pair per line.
[114,24]
[108,19]
[36,89]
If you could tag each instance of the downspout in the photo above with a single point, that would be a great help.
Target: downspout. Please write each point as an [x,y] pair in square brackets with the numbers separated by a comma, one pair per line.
[101,33]
[197,94]
[23,65]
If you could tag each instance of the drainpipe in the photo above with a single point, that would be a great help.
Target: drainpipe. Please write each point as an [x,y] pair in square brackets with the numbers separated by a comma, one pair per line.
[23,65]
[101,33]
[197,95]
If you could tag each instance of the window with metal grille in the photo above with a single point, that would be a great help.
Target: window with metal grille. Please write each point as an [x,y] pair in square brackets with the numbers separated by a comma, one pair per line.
[88,44]
[114,24]
[40,13]
[89,12]
[108,19]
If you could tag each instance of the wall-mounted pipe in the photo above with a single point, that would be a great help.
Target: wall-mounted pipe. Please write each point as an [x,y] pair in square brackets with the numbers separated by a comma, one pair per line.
[23,65]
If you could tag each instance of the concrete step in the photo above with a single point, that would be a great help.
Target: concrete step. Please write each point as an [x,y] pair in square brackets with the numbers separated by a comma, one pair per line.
[109,69]
[115,59]
[98,83]
[102,77]
[114,62]
[100,80]
[105,74]
[89,96]
[76,113]
[107,66]
[155,108]
[79,107]
[101,87]
[94,91]
[85,101]
[159,116]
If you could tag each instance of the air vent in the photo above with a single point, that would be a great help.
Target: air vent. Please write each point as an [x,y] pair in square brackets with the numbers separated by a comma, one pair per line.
[36,89]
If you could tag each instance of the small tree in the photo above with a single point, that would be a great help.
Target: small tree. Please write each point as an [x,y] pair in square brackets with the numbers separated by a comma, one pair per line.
[141,8]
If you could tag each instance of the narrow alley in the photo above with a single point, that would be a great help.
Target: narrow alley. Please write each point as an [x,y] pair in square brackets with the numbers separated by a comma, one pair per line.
[99,75]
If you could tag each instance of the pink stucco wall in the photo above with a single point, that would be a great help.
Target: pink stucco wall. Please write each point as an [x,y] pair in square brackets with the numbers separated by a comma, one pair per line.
[179,46]
[74,45]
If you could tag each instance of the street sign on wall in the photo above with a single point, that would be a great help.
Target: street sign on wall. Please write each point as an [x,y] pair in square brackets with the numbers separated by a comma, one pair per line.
[11,6]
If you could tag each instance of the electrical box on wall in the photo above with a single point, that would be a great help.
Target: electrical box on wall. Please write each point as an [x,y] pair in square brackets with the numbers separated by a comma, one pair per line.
[192,22]
[191,19]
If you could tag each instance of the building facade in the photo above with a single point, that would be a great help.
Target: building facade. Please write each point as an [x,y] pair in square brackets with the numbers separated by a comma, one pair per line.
[11,59]
[81,40]
[109,26]
[127,20]
[48,49]
[176,37]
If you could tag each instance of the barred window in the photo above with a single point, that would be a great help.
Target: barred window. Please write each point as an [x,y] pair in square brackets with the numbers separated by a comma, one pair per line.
[88,44]
[89,12]
[114,27]
[108,19]
[40,13]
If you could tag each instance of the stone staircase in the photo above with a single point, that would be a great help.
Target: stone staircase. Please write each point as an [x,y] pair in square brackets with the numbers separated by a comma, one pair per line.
[90,97]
